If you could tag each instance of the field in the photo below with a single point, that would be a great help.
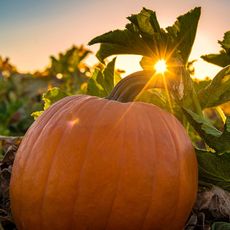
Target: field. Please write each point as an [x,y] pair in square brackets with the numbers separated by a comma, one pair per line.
[201,106]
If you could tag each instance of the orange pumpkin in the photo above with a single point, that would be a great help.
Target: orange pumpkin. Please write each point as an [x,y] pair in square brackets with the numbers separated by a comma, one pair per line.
[91,163]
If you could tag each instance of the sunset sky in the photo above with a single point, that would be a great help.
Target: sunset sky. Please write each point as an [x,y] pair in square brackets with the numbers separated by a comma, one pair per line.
[32,30]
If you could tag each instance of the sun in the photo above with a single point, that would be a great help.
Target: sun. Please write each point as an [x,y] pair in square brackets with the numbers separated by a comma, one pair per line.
[161,66]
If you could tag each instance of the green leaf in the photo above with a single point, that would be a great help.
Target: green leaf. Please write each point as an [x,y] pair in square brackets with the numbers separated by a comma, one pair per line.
[156,97]
[201,124]
[50,97]
[204,128]
[147,26]
[146,22]
[67,63]
[143,36]
[120,42]
[94,87]
[220,141]
[36,114]
[117,77]
[201,84]
[108,73]
[214,168]
[184,32]
[218,91]
[225,137]
[223,58]
[225,44]
[102,82]
[220,226]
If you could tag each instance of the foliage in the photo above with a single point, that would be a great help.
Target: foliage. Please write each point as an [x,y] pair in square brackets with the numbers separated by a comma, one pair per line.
[143,36]
[100,84]
[50,97]
[17,100]
[6,67]
[215,139]
[220,226]
[218,91]
[186,97]
[223,58]
[70,69]
[22,94]
[212,144]
[214,169]
[156,97]
[103,81]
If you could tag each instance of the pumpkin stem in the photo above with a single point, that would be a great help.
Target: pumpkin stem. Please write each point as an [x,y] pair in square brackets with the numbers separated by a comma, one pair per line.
[176,80]
[131,86]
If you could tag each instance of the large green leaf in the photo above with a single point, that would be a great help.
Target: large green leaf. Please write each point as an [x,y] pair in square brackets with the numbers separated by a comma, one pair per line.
[214,168]
[218,91]
[146,22]
[223,58]
[202,125]
[147,26]
[184,32]
[121,42]
[143,36]
[220,141]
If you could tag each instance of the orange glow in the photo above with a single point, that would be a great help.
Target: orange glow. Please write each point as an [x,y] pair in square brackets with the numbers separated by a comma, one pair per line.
[74,122]
[59,76]
[161,66]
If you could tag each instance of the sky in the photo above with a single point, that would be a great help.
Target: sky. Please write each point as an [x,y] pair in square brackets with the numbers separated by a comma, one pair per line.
[32,30]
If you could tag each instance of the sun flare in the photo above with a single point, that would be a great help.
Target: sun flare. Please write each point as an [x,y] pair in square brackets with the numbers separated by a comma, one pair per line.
[161,66]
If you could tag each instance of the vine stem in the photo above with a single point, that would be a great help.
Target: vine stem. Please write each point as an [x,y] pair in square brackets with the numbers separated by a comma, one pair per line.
[10,138]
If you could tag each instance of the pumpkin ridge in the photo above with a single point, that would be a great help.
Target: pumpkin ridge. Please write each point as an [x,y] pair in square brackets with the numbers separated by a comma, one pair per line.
[50,112]
[59,105]
[41,118]
[71,225]
[81,101]
[176,142]
[47,178]
[120,172]
[171,134]
[154,166]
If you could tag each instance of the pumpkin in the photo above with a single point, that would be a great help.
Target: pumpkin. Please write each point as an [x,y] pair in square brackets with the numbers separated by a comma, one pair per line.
[93,163]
